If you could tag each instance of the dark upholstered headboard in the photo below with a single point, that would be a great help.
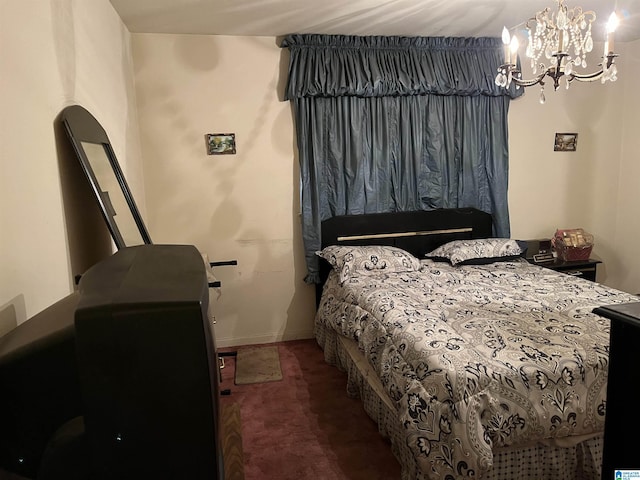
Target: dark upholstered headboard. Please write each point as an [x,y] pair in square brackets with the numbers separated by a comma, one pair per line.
[417,232]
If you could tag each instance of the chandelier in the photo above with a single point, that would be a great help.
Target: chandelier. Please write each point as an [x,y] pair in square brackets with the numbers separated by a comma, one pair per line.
[564,39]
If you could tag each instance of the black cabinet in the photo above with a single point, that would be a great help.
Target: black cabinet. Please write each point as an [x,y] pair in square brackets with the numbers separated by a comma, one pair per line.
[622,421]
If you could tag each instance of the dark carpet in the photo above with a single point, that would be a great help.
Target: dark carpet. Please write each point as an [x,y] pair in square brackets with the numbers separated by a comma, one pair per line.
[305,426]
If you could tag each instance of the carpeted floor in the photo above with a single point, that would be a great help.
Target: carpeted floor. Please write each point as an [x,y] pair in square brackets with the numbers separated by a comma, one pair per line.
[305,426]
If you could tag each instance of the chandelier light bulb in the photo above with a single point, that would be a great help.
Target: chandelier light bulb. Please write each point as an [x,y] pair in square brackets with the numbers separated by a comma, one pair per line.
[506,37]
[506,40]
[513,47]
[612,24]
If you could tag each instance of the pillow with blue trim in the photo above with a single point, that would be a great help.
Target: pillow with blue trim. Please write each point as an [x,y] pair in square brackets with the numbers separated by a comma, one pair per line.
[350,261]
[478,251]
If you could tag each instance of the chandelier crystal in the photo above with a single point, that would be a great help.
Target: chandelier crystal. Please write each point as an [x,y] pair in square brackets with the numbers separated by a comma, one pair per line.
[563,39]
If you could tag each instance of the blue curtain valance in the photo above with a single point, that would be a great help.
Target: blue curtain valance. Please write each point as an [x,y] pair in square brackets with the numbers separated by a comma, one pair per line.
[378,66]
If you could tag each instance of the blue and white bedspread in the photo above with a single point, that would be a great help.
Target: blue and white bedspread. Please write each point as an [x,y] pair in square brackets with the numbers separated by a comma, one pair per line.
[481,356]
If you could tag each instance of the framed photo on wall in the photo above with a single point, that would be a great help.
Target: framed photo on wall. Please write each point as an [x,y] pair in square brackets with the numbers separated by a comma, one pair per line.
[566,142]
[221,143]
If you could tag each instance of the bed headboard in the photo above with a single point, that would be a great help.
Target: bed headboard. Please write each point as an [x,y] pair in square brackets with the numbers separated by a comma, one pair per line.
[417,232]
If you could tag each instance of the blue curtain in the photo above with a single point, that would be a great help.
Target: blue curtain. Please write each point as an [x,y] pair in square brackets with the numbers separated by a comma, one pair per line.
[390,124]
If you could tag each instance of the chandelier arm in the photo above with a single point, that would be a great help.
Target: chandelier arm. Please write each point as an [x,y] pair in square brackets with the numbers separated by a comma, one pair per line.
[529,83]
[577,11]
[591,77]
[586,77]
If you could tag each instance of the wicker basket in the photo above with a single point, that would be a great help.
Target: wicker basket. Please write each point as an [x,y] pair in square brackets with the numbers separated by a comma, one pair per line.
[573,254]
[573,245]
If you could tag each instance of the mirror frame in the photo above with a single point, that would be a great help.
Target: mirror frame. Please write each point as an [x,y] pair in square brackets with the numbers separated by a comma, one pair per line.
[81,127]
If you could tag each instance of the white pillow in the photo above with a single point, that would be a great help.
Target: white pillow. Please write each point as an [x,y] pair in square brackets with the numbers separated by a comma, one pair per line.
[479,251]
[364,260]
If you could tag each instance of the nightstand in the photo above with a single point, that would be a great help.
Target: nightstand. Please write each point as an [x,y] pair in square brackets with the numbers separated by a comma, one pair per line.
[581,268]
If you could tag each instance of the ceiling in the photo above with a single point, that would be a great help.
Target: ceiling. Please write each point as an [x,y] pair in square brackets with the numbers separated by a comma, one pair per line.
[276,18]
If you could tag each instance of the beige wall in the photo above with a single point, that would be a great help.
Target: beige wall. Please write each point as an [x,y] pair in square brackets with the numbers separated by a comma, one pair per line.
[240,207]
[550,190]
[53,54]
[595,187]
[625,261]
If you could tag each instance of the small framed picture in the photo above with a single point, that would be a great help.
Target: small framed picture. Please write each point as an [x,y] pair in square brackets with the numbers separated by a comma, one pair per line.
[221,143]
[566,142]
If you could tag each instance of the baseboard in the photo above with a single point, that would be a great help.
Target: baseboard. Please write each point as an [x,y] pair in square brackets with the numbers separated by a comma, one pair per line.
[259,339]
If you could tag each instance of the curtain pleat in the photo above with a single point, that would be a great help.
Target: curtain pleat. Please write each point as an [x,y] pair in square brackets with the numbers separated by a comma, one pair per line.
[395,124]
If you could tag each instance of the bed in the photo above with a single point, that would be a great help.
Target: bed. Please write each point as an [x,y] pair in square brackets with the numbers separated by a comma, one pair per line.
[473,362]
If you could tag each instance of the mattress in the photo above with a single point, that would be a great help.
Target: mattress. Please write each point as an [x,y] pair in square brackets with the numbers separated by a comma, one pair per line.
[480,363]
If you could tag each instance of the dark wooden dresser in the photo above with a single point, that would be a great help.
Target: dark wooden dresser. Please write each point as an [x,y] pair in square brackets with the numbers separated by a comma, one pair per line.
[622,421]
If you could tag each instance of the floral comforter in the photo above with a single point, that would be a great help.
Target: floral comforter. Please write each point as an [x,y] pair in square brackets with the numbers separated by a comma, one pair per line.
[481,356]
